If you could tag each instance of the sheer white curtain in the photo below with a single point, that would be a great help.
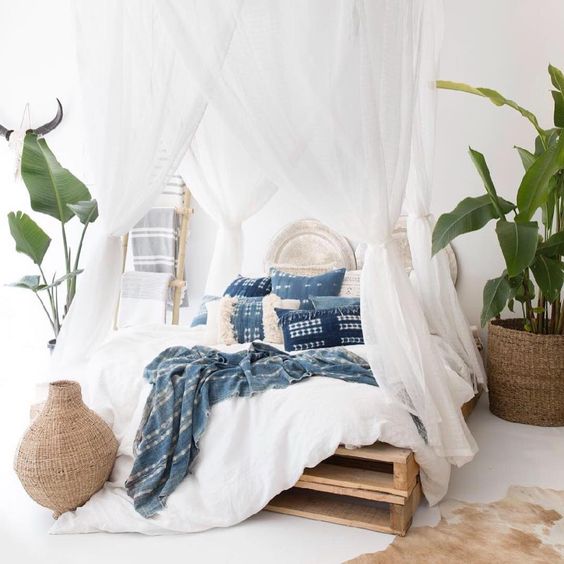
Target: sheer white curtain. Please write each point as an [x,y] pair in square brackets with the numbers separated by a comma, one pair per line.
[435,288]
[322,93]
[230,187]
[140,109]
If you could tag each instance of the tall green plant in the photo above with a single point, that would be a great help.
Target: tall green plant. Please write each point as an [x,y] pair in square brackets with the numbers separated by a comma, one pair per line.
[53,191]
[534,269]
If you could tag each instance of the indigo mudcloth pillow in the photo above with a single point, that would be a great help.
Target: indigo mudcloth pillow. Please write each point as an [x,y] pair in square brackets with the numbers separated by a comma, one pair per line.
[291,286]
[249,287]
[315,329]
[246,320]
[201,318]
[331,302]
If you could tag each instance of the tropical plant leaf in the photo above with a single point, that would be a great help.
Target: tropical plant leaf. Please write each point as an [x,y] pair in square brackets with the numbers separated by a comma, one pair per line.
[497,292]
[493,96]
[549,207]
[553,246]
[469,215]
[549,276]
[51,187]
[518,242]
[558,108]
[556,77]
[62,279]
[30,239]
[527,158]
[545,141]
[520,291]
[534,187]
[86,211]
[482,167]
[29,282]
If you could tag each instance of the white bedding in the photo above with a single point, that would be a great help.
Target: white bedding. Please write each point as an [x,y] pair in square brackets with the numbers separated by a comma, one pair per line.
[253,448]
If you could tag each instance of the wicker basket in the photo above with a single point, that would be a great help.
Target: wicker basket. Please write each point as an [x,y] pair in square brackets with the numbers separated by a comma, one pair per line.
[67,453]
[525,374]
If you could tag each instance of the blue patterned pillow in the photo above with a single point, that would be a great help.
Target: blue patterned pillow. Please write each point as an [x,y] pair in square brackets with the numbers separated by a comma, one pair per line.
[291,286]
[315,329]
[331,302]
[246,320]
[201,318]
[249,287]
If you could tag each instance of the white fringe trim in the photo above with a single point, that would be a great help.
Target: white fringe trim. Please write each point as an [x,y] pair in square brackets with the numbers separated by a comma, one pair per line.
[226,329]
[272,331]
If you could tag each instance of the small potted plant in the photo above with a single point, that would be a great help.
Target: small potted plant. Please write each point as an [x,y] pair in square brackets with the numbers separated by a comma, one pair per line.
[53,191]
[525,359]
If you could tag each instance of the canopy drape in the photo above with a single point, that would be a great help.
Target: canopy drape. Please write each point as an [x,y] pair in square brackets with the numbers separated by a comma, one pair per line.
[230,187]
[435,287]
[140,109]
[323,95]
[323,98]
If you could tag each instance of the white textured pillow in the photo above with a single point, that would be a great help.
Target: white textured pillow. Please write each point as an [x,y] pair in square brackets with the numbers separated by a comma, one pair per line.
[272,332]
[351,284]
[212,325]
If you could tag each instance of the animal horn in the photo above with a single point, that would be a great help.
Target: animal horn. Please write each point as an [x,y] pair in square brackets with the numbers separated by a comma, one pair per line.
[5,132]
[50,125]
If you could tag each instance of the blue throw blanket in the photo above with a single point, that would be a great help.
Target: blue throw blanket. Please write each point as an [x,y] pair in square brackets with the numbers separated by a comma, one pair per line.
[187,382]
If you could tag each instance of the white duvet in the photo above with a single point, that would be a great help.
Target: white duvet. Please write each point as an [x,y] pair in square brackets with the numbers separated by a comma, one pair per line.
[253,448]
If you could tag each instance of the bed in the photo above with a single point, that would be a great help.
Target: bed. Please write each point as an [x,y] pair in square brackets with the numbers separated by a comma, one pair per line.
[253,448]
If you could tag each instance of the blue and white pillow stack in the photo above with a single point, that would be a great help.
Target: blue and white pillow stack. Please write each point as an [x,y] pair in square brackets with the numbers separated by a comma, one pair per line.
[303,312]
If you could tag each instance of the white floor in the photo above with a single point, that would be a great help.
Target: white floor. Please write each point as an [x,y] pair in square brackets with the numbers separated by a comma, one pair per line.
[509,454]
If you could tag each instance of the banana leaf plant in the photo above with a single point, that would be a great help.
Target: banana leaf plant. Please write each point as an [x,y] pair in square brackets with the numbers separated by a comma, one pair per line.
[56,192]
[530,230]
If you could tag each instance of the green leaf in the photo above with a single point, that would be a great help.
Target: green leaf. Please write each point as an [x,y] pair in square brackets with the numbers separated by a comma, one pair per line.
[548,138]
[30,239]
[86,211]
[553,246]
[511,305]
[556,77]
[51,187]
[62,279]
[469,215]
[534,188]
[30,282]
[549,207]
[483,170]
[549,276]
[558,108]
[496,294]
[493,96]
[518,242]
[520,291]
[527,158]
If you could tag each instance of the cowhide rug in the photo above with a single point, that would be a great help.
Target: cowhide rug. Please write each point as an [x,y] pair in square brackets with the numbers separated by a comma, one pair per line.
[527,526]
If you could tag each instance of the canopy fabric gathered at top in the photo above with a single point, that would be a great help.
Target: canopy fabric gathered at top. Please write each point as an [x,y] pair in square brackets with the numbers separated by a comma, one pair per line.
[327,100]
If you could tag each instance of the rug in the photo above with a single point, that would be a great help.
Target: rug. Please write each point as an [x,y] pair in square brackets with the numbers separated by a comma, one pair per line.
[526,526]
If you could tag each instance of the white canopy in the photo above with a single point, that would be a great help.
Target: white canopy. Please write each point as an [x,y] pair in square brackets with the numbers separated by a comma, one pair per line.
[327,100]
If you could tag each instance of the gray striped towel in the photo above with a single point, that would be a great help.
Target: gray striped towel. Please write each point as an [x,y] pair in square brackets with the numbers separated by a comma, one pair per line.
[154,239]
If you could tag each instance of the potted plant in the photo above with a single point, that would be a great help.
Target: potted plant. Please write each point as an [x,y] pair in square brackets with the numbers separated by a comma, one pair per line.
[525,360]
[53,191]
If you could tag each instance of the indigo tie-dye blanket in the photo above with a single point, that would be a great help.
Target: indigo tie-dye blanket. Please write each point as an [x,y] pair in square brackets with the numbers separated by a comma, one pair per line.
[187,382]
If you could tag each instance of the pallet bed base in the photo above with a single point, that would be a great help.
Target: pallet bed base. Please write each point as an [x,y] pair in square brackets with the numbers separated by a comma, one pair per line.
[375,487]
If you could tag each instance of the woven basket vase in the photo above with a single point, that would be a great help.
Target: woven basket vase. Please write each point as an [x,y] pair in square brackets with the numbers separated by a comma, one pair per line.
[67,453]
[525,374]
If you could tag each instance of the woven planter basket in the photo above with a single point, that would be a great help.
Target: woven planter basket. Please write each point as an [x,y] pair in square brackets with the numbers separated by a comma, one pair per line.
[67,453]
[525,374]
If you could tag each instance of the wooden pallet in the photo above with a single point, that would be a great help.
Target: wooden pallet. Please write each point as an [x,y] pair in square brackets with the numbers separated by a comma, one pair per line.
[375,487]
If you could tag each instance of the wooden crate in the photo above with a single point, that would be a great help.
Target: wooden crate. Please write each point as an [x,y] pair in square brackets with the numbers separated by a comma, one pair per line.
[375,487]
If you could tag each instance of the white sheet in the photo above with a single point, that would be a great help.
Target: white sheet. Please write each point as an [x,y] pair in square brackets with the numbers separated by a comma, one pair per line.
[252,449]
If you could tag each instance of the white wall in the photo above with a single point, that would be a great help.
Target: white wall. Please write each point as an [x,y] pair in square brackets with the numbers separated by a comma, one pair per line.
[503,44]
